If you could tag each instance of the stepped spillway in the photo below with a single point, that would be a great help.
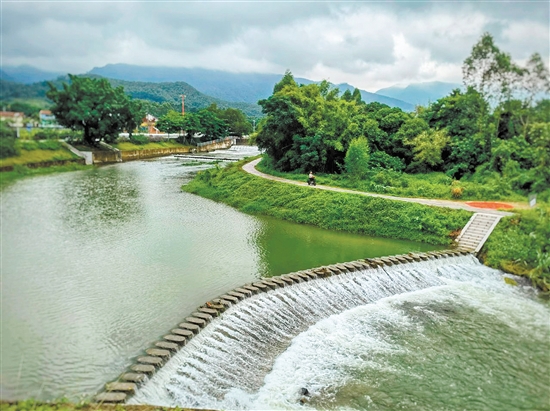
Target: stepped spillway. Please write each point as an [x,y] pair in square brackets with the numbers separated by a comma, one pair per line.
[236,350]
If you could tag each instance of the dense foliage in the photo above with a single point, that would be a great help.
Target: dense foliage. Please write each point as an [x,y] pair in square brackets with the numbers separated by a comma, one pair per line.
[330,210]
[93,106]
[521,244]
[7,141]
[495,130]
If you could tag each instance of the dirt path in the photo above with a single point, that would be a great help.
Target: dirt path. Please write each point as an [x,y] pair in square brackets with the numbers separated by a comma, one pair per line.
[251,168]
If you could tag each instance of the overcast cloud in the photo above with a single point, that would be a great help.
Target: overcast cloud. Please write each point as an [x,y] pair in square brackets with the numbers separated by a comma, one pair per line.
[368,44]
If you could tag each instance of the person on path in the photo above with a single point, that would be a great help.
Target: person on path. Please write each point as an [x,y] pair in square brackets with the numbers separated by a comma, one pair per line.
[311,179]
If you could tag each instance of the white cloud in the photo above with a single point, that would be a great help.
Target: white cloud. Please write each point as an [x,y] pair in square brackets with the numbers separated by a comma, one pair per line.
[369,45]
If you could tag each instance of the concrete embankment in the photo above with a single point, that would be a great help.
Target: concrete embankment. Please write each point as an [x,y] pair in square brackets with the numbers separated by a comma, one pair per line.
[114,155]
[161,351]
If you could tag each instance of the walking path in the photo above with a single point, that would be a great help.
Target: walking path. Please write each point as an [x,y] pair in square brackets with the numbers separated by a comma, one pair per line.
[473,235]
[251,168]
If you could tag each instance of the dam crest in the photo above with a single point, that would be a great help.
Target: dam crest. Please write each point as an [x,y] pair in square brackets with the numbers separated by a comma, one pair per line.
[229,344]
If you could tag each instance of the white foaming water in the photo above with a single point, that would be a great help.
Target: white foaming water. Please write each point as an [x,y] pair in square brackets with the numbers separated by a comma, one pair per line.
[261,352]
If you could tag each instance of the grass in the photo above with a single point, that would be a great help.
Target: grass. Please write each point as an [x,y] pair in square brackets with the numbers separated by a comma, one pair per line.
[520,244]
[19,172]
[38,152]
[63,405]
[431,185]
[127,146]
[329,210]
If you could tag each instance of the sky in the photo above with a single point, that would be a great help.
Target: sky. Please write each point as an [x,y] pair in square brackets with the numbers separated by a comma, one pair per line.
[369,44]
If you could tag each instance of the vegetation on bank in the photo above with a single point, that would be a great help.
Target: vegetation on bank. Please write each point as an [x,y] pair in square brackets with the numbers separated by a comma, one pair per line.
[520,244]
[431,185]
[149,145]
[329,210]
[63,405]
[490,140]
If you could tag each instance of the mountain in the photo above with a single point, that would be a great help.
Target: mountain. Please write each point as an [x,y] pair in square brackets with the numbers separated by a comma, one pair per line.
[420,93]
[156,92]
[368,97]
[28,74]
[247,87]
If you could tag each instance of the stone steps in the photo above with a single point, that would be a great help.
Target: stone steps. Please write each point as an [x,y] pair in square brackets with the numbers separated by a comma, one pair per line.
[124,387]
[477,230]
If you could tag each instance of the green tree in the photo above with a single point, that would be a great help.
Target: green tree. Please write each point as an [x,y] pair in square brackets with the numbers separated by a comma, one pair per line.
[357,158]
[7,140]
[465,118]
[211,125]
[171,122]
[93,106]
[428,146]
[236,121]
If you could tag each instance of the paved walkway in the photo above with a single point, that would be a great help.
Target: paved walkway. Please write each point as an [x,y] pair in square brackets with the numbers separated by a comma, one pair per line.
[251,168]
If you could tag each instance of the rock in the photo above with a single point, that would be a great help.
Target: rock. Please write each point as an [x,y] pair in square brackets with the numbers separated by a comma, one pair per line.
[121,386]
[194,320]
[177,339]
[157,352]
[201,315]
[191,327]
[167,345]
[144,368]
[183,332]
[148,360]
[111,397]
[135,377]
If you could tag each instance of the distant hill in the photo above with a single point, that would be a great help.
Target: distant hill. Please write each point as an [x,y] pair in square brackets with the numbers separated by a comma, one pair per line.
[420,93]
[247,87]
[372,97]
[28,74]
[6,76]
[156,92]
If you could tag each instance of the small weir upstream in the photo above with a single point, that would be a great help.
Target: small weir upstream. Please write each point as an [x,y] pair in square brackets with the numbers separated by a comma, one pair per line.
[421,335]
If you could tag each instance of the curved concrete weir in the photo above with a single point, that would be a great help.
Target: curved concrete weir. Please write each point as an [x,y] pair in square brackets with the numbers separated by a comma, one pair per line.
[232,341]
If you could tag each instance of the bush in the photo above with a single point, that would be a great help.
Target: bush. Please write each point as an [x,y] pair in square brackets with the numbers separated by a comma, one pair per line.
[521,244]
[7,141]
[139,139]
[357,158]
[381,159]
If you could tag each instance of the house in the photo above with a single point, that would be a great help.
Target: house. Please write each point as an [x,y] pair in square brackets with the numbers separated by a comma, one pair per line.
[47,119]
[13,118]
[149,123]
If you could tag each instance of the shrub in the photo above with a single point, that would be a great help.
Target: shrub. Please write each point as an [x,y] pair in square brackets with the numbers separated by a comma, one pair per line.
[139,139]
[381,159]
[357,158]
[7,141]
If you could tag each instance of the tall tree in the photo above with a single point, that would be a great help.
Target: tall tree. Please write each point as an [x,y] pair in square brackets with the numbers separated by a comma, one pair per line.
[93,106]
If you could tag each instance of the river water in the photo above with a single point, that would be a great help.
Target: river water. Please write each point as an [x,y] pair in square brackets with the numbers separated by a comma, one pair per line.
[96,265]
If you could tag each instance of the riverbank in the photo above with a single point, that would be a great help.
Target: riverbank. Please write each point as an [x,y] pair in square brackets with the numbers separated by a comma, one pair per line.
[335,211]
[520,244]
[31,405]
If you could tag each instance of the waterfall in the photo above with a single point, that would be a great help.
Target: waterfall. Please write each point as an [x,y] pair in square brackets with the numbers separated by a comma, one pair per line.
[232,356]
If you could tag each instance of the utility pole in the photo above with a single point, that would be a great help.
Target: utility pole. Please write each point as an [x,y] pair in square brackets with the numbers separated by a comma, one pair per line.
[182,104]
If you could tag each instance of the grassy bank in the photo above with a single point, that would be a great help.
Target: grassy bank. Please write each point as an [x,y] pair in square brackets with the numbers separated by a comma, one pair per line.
[520,244]
[431,185]
[29,151]
[31,405]
[330,210]
[8,177]
[129,146]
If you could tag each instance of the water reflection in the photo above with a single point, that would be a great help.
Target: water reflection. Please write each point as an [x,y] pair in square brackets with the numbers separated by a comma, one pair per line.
[286,247]
[102,197]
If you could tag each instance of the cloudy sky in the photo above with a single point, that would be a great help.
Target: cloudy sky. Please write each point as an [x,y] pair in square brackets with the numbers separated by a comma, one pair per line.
[370,44]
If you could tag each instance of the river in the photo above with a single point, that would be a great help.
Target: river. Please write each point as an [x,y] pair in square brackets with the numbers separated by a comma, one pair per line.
[98,264]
